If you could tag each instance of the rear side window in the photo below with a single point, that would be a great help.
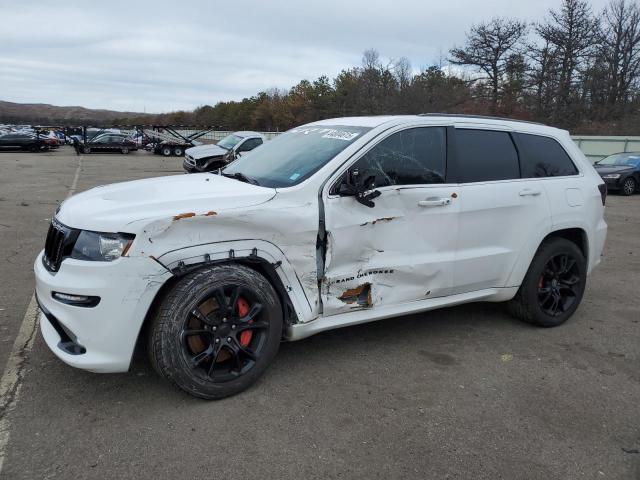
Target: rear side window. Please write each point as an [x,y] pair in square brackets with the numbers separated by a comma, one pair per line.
[543,157]
[410,157]
[485,155]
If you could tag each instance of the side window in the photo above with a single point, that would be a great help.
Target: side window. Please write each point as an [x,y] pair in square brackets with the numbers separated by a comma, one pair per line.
[543,157]
[485,155]
[250,145]
[410,157]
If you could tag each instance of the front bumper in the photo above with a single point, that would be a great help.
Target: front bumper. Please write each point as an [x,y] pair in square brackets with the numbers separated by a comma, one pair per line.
[107,333]
[613,183]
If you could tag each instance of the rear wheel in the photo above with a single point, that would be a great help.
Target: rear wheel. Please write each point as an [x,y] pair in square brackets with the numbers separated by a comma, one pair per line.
[628,186]
[178,151]
[125,150]
[166,151]
[216,331]
[33,148]
[553,286]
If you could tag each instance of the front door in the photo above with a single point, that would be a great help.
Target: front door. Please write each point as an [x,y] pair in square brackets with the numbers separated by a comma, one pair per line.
[402,249]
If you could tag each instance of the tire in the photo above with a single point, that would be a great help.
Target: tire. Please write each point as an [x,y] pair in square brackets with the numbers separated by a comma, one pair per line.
[628,187]
[33,148]
[166,151]
[178,151]
[86,149]
[125,150]
[539,290]
[192,340]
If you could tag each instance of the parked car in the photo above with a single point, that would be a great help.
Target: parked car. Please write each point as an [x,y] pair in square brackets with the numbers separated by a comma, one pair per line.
[110,142]
[22,141]
[331,224]
[207,158]
[621,172]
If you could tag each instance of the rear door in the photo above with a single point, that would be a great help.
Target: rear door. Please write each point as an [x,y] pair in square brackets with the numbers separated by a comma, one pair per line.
[402,249]
[501,214]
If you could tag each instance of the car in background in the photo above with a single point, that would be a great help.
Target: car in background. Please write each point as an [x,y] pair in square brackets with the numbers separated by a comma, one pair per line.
[621,172]
[49,138]
[22,141]
[207,158]
[109,142]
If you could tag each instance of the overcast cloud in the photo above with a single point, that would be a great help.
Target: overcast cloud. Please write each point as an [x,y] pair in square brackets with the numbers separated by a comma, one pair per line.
[140,55]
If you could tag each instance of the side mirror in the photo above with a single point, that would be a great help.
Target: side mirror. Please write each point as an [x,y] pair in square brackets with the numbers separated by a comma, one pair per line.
[363,191]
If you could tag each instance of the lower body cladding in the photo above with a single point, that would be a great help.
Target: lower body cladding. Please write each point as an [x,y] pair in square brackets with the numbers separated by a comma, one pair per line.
[98,338]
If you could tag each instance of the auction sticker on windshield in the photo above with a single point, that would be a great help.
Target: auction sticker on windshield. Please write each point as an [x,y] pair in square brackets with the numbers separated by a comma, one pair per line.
[328,133]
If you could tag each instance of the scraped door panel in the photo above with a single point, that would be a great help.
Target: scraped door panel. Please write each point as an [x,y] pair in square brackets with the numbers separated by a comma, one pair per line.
[401,250]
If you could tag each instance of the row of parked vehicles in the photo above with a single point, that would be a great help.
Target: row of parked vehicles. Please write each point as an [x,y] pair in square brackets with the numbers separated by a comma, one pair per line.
[29,139]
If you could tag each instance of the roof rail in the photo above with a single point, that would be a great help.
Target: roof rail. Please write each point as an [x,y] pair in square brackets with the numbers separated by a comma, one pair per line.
[480,117]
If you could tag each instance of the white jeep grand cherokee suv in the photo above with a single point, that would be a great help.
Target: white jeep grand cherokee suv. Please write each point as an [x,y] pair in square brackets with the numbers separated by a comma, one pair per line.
[334,223]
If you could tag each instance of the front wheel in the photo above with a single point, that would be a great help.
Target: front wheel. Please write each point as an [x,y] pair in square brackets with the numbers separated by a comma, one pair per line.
[553,286]
[628,186]
[86,149]
[216,331]
[125,150]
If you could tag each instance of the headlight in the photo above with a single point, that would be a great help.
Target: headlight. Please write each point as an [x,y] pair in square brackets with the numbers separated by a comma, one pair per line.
[612,176]
[101,247]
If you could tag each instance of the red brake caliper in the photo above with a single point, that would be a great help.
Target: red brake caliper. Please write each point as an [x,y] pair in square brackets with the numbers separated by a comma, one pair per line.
[243,310]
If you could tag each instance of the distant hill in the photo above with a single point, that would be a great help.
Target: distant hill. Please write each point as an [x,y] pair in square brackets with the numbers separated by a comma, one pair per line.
[42,114]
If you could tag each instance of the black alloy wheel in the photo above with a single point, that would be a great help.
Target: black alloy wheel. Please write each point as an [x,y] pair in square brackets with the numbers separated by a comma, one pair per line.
[224,334]
[553,286]
[216,330]
[558,287]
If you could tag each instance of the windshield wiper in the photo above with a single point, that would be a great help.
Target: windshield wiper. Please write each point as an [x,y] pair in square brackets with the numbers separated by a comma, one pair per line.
[242,177]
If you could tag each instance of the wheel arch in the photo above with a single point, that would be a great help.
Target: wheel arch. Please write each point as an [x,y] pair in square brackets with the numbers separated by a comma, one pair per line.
[257,264]
[259,255]
[577,235]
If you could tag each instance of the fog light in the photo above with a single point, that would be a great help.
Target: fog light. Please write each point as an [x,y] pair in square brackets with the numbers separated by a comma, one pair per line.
[77,300]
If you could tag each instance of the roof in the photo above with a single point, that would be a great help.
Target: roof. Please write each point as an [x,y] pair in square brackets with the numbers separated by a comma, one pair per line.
[247,133]
[455,119]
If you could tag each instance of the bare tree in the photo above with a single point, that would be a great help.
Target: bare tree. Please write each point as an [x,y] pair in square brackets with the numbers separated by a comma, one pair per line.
[488,48]
[620,48]
[402,72]
[571,34]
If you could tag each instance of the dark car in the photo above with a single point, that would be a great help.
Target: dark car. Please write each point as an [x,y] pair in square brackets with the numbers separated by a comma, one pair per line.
[109,142]
[621,172]
[22,141]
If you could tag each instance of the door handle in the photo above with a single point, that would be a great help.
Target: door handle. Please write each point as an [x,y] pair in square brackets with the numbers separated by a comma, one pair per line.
[434,202]
[527,192]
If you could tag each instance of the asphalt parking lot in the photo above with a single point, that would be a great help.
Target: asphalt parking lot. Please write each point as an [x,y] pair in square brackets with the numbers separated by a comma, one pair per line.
[461,393]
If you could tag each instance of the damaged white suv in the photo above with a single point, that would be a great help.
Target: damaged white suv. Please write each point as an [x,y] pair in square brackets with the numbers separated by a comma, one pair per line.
[335,223]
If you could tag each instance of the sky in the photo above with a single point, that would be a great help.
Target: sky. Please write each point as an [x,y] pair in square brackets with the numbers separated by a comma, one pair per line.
[165,56]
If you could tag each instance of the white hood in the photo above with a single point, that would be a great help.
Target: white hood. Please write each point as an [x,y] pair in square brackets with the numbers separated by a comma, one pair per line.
[205,151]
[129,206]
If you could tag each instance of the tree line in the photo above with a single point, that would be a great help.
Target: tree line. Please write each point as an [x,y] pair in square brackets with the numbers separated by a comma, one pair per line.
[577,69]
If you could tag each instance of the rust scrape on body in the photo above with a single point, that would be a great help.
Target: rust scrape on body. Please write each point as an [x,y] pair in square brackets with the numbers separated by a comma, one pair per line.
[360,295]
[184,215]
[373,222]
[210,214]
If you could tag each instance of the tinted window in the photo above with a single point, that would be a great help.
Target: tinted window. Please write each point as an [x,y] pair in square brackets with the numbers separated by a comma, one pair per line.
[543,157]
[409,157]
[485,155]
[249,144]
